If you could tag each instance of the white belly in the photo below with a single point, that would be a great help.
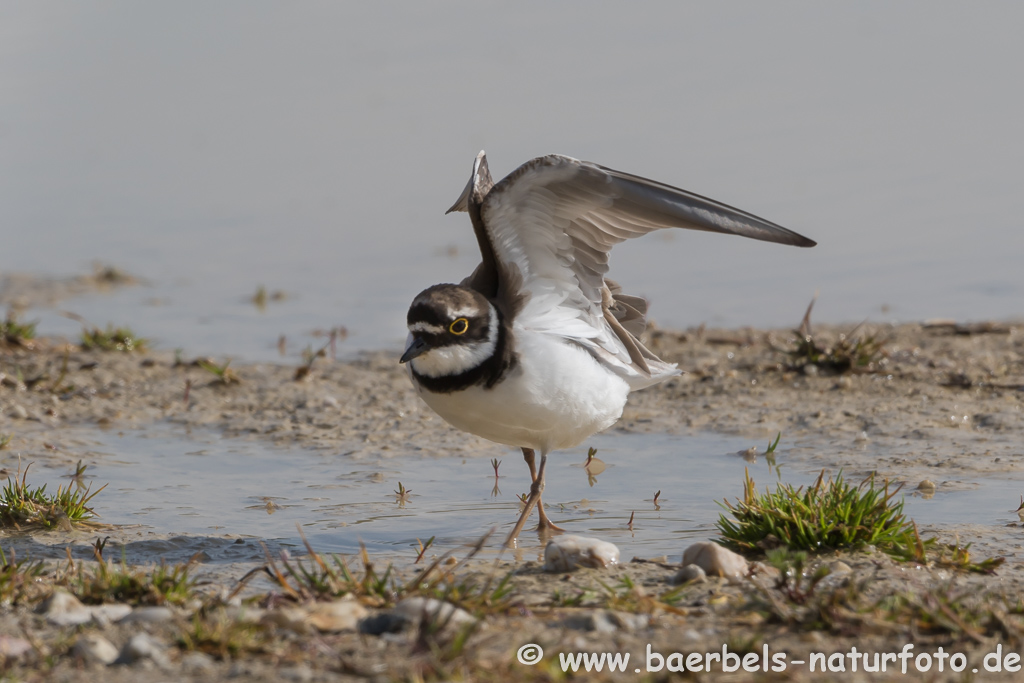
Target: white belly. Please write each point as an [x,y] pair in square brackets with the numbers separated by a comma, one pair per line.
[556,397]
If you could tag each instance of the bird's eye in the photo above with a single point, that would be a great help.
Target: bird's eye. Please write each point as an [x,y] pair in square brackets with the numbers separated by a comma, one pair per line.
[459,326]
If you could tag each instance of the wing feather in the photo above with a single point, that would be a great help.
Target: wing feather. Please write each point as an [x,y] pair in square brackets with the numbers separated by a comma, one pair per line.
[555,219]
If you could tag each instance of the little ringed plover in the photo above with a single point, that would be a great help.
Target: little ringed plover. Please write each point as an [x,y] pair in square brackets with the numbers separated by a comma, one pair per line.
[536,348]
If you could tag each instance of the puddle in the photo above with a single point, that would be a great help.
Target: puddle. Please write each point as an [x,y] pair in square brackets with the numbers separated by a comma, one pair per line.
[229,494]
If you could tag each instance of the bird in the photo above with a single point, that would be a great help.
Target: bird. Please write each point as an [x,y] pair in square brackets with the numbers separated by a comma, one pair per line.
[537,348]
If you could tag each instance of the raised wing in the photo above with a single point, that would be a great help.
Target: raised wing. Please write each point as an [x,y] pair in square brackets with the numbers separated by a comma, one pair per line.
[555,219]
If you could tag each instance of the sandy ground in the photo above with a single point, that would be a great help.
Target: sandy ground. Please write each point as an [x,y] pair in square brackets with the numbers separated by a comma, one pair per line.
[941,403]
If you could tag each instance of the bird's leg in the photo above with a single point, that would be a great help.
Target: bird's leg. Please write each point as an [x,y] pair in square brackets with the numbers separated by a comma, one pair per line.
[535,490]
[545,523]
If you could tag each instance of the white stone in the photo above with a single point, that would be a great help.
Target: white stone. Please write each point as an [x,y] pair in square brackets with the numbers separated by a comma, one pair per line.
[143,646]
[292,618]
[566,553]
[149,615]
[333,617]
[92,647]
[715,560]
[12,647]
[415,609]
[64,609]
[690,572]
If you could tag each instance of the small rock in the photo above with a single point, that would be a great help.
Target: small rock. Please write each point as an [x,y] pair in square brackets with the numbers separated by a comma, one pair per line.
[64,609]
[385,622]
[292,618]
[715,560]
[591,620]
[105,614]
[12,647]
[149,615]
[926,486]
[415,609]
[196,662]
[92,647]
[566,553]
[630,622]
[690,572]
[19,412]
[839,567]
[301,673]
[340,615]
[143,646]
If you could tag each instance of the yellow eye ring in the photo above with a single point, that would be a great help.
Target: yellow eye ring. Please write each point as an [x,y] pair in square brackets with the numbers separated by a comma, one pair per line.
[459,326]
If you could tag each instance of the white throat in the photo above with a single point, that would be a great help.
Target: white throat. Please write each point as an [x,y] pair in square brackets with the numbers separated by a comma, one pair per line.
[448,361]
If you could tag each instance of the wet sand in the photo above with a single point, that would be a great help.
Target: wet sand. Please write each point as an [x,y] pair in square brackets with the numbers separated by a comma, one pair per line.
[941,403]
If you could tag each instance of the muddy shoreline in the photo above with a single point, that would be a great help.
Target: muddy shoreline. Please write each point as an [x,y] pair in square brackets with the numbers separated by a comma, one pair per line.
[939,403]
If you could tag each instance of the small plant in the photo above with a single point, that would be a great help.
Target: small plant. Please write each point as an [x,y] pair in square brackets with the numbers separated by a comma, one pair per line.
[830,514]
[5,440]
[315,578]
[628,596]
[792,582]
[109,582]
[847,354]
[261,297]
[224,636]
[223,374]
[21,506]
[834,515]
[18,578]
[112,339]
[309,356]
[423,548]
[16,333]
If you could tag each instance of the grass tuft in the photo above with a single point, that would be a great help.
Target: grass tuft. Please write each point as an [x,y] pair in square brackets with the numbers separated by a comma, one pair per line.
[112,339]
[849,353]
[16,333]
[831,514]
[23,506]
[111,582]
[19,579]
[223,374]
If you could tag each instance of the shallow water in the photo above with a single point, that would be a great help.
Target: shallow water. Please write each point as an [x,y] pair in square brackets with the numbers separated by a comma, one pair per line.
[221,497]
[313,148]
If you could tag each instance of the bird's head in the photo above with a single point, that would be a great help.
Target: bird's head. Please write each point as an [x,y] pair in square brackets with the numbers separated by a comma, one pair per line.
[452,329]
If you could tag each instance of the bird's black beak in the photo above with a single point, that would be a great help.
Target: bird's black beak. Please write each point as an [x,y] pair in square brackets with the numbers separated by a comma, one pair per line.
[417,347]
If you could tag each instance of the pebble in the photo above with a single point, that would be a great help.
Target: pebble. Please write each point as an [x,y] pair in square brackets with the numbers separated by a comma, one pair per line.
[301,673]
[12,647]
[414,609]
[566,553]
[19,412]
[690,572]
[630,622]
[715,560]
[340,615]
[596,621]
[291,618]
[926,486]
[94,648]
[196,662]
[839,567]
[149,615]
[141,647]
[64,609]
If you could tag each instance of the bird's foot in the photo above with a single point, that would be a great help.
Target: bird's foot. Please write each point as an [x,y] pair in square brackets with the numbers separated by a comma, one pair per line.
[545,525]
